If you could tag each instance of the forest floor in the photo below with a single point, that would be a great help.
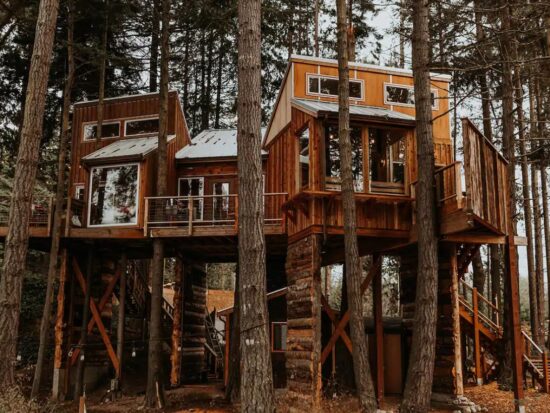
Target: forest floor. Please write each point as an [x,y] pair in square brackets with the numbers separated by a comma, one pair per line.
[209,399]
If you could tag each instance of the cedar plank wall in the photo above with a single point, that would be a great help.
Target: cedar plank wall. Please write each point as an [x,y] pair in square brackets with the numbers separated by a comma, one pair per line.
[129,107]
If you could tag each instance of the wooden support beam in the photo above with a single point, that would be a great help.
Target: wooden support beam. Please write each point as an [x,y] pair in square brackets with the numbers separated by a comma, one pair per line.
[326,306]
[545,372]
[97,317]
[375,269]
[175,357]
[379,334]
[227,349]
[121,318]
[477,344]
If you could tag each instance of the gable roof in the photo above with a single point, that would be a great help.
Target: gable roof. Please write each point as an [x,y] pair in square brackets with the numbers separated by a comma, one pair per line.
[124,150]
[318,108]
[212,144]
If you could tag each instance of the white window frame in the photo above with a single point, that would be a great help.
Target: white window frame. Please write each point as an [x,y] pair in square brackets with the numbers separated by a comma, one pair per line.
[435,105]
[110,122]
[76,188]
[91,192]
[200,178]
[138,120]
[319,76]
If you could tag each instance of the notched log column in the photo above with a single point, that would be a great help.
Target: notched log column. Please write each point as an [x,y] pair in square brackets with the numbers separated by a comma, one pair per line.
[303,355]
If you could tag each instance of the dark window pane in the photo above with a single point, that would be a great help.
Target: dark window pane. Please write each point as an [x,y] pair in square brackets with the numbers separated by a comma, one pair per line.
[137,127]
[329,86]
[114,195]
[402,95]
[313,84]
[387,155]
[303,146]
[221,202]
[108,130]
[192,187]
[355,89]
[279,336]
[332,158]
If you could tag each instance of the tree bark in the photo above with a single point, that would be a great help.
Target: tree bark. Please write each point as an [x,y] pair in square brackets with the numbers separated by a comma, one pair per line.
[16,244]
[102,67]
[154,50]
[479,273]
[59,198]
[361,368]
[121,319]
[154,396]
[233,388]
[256,373]
[418,386]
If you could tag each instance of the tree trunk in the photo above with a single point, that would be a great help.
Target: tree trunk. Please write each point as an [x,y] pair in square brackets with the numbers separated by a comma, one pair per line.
[59,198]
[418,386]
[154,50]
[233,387]
[479,273]
[121,319]
[16,244]
[219,85]
[316,28]
[256,373]
[154,396]
[102,66]
[351,33]
[361,368]
[545,214]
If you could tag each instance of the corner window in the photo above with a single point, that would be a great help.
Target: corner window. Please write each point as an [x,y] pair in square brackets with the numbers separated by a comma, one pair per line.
[332,158]
[192,187]
[141,126]
[303,158]
[387,153]
[114,195]
[108,130]
[278,337]
[328,86]
[401,95]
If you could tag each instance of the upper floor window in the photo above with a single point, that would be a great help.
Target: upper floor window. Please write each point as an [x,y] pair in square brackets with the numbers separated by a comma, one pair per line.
[141,126]
[303,160]
[108,130]
[401,95]
[192,187]
[387,156]
[328,86]
[332,158]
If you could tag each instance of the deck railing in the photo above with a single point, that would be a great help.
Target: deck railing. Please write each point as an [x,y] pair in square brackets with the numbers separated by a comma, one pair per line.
[41,211]
[448,181]
[479,306]
[205,211]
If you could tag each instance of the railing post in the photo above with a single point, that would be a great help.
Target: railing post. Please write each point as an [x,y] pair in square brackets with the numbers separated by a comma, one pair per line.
[190,212]
[146,217]
[545,371]
[237,213]
[477,344]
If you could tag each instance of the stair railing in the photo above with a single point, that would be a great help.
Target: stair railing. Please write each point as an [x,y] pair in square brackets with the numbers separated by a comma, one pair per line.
[537,359]
[480,307]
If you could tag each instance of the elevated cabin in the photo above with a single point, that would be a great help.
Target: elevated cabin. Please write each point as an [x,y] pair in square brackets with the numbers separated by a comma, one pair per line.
[111,177]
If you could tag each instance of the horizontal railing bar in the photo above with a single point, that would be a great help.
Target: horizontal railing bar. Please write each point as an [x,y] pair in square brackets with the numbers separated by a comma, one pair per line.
[530,340]
[185,197]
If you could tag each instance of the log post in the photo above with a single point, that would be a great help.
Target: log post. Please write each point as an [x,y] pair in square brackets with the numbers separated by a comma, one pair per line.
[121,320]
[545,371]
[175,357]
[303,355]
[477,344]
[58,371]
[378,333]
[227,338]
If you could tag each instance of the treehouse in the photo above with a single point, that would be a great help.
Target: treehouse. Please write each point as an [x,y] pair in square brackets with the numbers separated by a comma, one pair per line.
[114,214]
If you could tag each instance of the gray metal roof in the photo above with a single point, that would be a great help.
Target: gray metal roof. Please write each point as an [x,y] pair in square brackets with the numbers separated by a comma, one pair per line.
[212,143]
[136,148]
[315,107]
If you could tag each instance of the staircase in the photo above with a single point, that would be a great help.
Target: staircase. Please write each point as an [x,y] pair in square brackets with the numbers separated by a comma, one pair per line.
[481,318]
[213,345]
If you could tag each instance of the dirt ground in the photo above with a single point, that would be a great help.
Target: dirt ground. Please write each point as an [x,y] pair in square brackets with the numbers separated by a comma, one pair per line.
[209,399]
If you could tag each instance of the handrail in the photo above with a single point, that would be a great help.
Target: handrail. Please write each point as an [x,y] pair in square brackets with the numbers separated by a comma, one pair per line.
[530,340]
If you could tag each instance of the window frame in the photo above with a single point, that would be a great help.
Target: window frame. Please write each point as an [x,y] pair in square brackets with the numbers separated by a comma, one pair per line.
[187,178]
[216,197]
[435,105]
[305,126]
[319,94]
[90,193]
[94,123]
[76,188]
[273,323]
[139,119]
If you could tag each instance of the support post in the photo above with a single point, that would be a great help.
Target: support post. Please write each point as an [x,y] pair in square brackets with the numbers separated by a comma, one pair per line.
[378,333]
[175,357]
[58,371]
[477,344]
[227,338]
[121,320]
[545,371]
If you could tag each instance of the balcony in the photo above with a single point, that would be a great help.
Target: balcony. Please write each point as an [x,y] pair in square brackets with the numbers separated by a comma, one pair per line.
[40,221]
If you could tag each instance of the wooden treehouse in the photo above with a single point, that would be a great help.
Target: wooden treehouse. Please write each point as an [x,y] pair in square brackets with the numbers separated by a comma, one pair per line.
[114,214]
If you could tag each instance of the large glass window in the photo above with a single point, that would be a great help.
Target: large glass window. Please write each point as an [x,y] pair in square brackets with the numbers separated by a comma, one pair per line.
[114,195]
[108,130]
[403,95]
[387,149]
[221,200]
[332,158]
[142,126]
[193,187]
[303,149]
[328,86]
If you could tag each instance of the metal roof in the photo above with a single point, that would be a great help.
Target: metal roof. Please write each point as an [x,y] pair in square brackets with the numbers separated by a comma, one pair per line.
[125,149]
[212,143]
[315,107]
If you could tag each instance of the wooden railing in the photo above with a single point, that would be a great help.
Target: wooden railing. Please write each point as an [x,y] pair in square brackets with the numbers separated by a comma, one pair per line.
[480,307]
[205,211]
[41,211]
[448,181]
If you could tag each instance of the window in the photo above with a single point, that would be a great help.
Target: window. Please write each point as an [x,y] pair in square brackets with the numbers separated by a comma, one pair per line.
[192,187]
[332,157]
[108,130]
[79,192]
[220,201]
[114,195]
[141,126]
[328,86]
[303,158]
[278,336]
[403,95]
[387,153]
